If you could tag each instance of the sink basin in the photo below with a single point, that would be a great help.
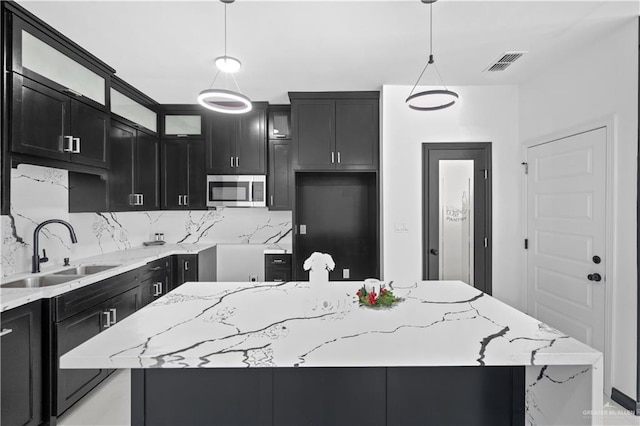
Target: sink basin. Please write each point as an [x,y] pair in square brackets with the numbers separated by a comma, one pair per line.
[41,281]
[86,270]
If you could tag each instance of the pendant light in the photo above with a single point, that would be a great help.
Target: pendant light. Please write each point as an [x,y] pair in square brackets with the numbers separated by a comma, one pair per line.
[225,100]
[431,100]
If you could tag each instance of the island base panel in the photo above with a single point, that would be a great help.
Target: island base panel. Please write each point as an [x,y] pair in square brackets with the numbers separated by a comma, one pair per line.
[329,396]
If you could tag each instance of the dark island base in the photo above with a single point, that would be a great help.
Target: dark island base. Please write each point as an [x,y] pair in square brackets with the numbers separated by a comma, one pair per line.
[329,396]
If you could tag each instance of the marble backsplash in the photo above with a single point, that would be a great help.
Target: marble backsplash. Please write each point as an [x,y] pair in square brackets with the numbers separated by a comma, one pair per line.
[40,193]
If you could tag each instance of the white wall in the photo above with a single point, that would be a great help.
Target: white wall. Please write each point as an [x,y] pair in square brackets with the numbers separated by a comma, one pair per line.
[598,82]
[483,114]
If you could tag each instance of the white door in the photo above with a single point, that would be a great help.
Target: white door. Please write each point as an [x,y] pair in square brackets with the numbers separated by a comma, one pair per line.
[566,228]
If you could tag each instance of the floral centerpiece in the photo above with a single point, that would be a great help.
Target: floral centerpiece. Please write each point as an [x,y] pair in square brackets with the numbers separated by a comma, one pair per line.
[371,299]
[319,265]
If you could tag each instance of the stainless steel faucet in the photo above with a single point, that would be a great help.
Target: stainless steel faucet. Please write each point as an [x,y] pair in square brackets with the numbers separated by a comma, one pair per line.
[35,259]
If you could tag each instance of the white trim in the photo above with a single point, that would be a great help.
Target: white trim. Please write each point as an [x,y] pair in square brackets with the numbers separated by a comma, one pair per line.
[610,123]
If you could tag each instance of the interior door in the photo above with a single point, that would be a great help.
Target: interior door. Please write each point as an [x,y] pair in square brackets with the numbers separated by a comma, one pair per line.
[337,214]
[566,228]
[457,210]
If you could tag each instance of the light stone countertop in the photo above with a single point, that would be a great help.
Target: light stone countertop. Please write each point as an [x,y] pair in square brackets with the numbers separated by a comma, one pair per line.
[291,324]
[126,260]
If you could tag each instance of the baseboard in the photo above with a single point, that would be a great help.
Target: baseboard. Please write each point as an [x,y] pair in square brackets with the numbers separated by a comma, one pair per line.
[626,401]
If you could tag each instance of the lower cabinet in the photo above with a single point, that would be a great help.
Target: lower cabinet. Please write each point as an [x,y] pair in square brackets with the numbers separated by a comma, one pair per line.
[185,269]
[111,301]
[155,280]
[22,366]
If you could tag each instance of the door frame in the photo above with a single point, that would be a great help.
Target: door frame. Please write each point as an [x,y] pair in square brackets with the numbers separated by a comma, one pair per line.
[458,146]
[609,124]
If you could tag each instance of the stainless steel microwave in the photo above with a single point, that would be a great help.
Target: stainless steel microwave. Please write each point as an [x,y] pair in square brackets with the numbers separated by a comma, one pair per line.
[236,190]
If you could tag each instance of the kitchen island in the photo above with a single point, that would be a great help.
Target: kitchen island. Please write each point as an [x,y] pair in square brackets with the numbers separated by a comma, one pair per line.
[294,353]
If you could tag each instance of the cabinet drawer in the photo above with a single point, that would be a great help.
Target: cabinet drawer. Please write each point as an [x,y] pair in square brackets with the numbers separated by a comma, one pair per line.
[155,269]
[277,260]
[77,301]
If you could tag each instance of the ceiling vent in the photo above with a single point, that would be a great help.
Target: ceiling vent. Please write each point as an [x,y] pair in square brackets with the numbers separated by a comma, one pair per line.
[505,61]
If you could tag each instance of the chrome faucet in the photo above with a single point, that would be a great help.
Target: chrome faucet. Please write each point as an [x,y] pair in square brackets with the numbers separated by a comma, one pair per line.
[35,259]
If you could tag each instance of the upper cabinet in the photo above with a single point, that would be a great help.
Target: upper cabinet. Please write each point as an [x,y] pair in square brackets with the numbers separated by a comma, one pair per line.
[39,56]
[58,100]
[335,131]
[183,157]
[279,122]
[237,144]
[135,112]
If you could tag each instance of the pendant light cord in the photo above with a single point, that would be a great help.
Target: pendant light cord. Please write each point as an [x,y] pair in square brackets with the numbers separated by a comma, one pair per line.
[430,60]
[225,29]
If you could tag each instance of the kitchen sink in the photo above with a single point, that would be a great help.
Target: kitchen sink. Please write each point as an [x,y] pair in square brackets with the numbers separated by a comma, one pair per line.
[86,270]
[41,281]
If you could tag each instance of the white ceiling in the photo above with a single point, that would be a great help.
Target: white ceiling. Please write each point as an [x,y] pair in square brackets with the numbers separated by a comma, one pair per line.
[166,48]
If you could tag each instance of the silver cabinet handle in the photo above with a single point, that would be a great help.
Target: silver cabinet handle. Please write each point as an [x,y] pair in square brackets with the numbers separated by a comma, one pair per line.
[132,199]
[5,331]
[113,318]
[272,200]
[332,157]
[338,157]
[142,199]
[237,161]
[76,148]
[107,324]
[179,200]
[67,145]
[186,265]
[160,289]
[186,200]
[231,162]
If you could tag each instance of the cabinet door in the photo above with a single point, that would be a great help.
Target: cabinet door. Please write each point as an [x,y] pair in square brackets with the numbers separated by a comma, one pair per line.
[74,384]
[280,175]
[251,142]
[123,142]
[40,120]
[147,174]
[90,127]
[314,134]
[357,134]
[280,122]
[175,171]
[186,269]
[221,144]
[22,366]
[146,292]
[197,185]
[123,305]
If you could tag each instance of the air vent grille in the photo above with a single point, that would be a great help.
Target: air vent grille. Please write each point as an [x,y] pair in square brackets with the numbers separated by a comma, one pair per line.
[505,61]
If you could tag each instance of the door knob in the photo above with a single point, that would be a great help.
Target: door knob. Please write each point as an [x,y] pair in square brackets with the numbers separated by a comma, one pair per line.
[594,277]
[596,259]
[433,252]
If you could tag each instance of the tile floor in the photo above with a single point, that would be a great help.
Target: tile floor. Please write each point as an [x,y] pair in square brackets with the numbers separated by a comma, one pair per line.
[109,405]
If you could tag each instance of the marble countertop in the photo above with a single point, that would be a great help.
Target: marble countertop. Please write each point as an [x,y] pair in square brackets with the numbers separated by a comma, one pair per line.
[291,324]
[125,259]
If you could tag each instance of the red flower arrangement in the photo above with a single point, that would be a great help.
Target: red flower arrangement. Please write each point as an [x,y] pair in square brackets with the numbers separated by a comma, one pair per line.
[386,298]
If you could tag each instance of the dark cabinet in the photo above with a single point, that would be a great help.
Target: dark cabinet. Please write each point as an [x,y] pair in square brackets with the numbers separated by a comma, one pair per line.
[279,122]
[277,267]
[21,374]
[335,134]
[80,315]
[155,280]
[237,144]
[185,269]
[50,124]
[183,174]
[280,175]
[134,176]
[74,384]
